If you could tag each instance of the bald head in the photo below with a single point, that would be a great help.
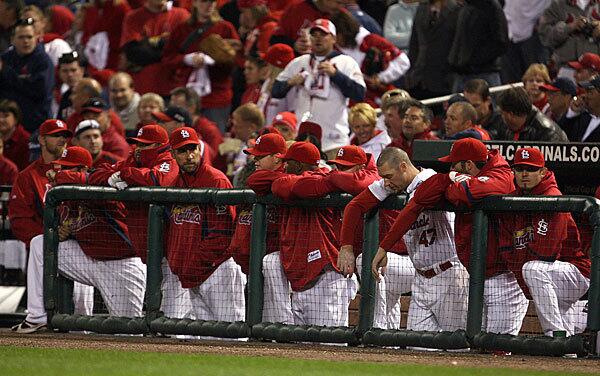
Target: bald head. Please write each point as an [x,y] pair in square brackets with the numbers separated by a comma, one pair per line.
[393,157]
[459,117]
[85,89]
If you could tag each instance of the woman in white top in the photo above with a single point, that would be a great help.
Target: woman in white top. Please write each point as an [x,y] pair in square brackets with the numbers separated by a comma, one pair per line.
[362,119]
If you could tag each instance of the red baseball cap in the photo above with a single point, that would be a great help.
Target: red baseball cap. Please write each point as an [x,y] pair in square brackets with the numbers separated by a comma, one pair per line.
[303,152]
[74,156]
[286,118]
[310,128]
[530,157]
[150,134]
[279,55]
[324,25]
[350,155]
[53,126]
[184,136]
[466,149]
[270,143]
[250,3]
[587,60]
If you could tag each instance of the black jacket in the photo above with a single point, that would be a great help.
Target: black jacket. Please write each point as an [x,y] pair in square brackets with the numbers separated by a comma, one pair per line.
[537,128]
[494,124]
[575,128]
[481,38]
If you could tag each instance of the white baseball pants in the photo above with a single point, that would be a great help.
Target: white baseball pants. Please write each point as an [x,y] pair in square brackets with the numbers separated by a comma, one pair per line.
[176,302]
[504,305]
[556,288]
[277,303]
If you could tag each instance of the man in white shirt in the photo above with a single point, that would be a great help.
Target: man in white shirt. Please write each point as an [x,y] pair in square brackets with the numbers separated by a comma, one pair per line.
[325,80]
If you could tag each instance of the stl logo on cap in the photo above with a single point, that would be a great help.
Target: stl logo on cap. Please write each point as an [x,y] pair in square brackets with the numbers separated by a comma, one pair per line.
[278,117]
[60,124]
[140,132]
[257,140]
[185,134]
[524,154]
[340,152]
[64,154]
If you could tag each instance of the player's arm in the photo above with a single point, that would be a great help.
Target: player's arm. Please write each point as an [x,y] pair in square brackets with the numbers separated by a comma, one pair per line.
[162,175]
[260,181]
[313,186]
[353,183]
[22,213]
[282,187]
[467,190]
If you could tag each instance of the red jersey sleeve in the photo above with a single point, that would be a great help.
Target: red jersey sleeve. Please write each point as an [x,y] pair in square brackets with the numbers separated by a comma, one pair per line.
[260,181]
[467,192]
[353,215]
[407,216]
[313,186]
[352,183]
[282,187]
[24,211]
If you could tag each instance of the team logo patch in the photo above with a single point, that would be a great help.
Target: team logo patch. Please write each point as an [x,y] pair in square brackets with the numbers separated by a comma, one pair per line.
[522,237]
[524,154]
[185,134]
[314,255]
[483,179]
[542,227]
[64,154]
[245,218]
[258,140]
[140,132]
[340,153]
[165,167]
[186,214]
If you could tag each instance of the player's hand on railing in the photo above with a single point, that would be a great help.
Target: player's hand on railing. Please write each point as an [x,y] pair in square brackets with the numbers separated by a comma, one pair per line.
[115,181]
[379,263]
[345,261]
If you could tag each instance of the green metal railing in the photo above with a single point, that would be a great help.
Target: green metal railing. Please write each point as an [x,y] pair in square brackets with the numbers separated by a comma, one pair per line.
[58,290]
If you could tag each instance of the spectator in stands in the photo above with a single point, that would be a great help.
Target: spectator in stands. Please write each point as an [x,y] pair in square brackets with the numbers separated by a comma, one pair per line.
[365,20]
[415,126]
[97,109]
[544,249]
[398,22]
[381,62]
[362,119]
[27,75]
[277,57]
[83,92]
[480,41]
[294,25]
[70,71]
[560,93]
[584,127]
[461,122]
[535,76]
[59,20]
[102,25]
[393,115]
[146,31]
[13,134]
[388,98]
[586,67]
[8,170]
[246,120]
[198,250]
[209,69]
[124,99]
[570,29]
[53,44]
[525,47]
[257,25]
[206,129]
[149,103]
[89,136]
[254,74]
[287,125]
[9,14]
[430,42]
[477,92]
[324,88]
[525,122]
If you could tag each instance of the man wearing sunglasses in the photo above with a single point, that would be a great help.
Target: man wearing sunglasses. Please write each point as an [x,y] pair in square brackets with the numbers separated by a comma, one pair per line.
[27,75]
[543,250]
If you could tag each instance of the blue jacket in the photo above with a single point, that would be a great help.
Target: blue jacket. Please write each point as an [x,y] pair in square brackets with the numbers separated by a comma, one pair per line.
[28,80]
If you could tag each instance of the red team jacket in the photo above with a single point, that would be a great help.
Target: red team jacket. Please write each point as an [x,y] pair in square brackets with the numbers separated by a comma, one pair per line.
[308,236]
[16,148]
[316,186]
[8,171]
[26,204]
[541,236]
[157,168]
[198,235]
[220,75]
[99,228]
[406,145]
[298,15]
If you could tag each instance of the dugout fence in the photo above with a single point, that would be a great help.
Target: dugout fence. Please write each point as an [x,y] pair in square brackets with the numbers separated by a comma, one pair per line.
[58,290]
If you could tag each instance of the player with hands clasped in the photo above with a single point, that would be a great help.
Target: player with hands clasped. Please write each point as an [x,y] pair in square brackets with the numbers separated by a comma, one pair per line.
[440,287]
[545,249]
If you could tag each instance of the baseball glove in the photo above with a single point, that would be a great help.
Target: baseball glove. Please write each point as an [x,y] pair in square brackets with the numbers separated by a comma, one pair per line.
[218,48]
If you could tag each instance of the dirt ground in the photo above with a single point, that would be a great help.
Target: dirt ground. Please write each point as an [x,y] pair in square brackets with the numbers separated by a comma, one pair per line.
[297,351]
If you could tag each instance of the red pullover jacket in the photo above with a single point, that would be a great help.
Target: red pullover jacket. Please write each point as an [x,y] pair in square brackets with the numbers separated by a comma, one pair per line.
[198,235]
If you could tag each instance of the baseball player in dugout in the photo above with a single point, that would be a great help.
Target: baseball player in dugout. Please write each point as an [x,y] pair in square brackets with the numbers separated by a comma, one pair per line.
[476,173]
[198,237]
[354,172]
[25,210]
[544,250]
[440,285]
[150,164]
[94,249]
[267,154]
[308,243]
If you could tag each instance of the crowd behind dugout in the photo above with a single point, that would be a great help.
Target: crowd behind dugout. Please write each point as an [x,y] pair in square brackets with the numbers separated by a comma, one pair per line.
[261,94]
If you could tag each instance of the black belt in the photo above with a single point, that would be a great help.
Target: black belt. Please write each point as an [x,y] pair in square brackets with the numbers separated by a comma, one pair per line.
[430,273]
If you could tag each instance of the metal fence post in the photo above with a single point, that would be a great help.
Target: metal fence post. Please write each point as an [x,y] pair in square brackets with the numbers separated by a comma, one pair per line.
[367,281]
[258,245]
[593,319]
[51,281]
[477,272]
[153,262]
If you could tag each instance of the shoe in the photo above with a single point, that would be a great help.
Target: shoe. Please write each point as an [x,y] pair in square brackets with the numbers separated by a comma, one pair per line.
[26,327]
